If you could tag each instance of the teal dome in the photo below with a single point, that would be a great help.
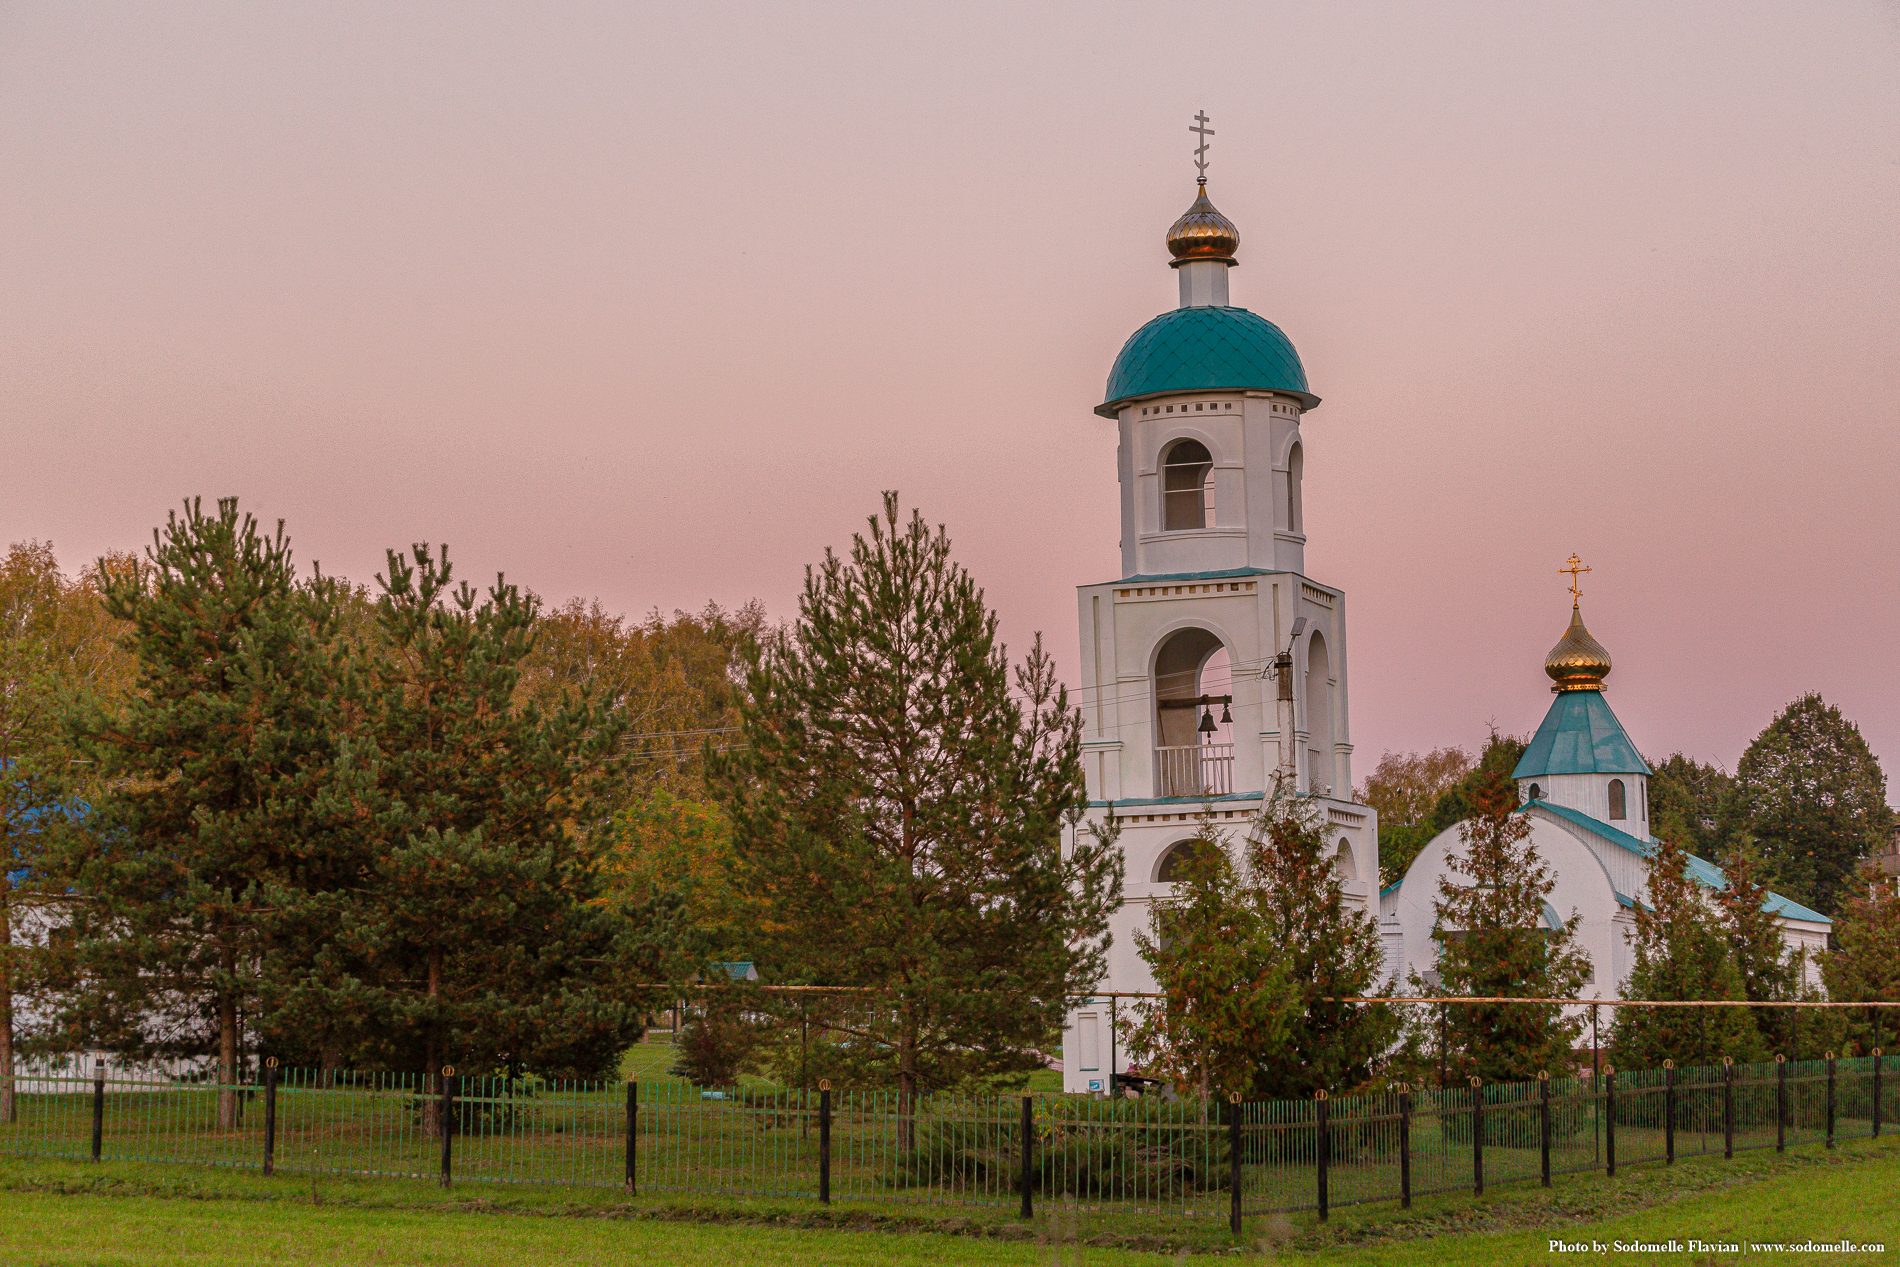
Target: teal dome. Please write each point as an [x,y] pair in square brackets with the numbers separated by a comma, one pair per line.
[1205,349]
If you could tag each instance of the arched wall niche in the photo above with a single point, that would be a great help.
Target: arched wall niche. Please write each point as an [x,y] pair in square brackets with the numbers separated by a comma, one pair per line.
[1295,472]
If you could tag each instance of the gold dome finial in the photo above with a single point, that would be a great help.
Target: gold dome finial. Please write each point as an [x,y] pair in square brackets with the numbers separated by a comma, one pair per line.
[1203,234]
[1578,662]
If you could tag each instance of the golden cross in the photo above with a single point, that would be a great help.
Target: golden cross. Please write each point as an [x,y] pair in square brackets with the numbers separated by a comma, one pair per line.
[1576,566]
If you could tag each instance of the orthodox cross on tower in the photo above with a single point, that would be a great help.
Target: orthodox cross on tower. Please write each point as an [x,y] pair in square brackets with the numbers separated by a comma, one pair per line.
[1200,155]
[1576,566]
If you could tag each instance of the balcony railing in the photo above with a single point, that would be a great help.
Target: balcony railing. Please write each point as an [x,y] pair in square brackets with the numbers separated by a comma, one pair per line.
[1199,770]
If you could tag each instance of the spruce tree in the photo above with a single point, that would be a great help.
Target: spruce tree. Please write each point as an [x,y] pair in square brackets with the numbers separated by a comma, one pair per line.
[1228,996]
[1682,953]
[1333,952]
[898,816]
[475,931]
[1493,941]
[1767,971]
[215,761]
[1865,967]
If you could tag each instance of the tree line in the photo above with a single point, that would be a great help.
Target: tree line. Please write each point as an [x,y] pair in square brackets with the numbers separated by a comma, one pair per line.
[252,809]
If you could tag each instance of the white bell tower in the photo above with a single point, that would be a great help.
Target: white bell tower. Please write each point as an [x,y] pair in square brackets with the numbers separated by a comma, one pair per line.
[1214,664]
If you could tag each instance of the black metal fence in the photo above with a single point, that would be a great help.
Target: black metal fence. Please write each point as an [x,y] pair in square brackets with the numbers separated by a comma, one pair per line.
[1143,1157]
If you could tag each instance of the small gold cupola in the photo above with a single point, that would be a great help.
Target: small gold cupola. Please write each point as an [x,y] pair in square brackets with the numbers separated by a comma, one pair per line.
[1578,662]
[1203,233]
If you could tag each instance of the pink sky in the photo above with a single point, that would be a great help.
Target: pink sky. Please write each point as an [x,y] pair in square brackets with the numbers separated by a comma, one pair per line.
[649,302]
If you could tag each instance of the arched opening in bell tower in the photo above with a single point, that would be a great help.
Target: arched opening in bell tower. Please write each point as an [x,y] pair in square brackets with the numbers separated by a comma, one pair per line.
[1194,730]
[1319,717]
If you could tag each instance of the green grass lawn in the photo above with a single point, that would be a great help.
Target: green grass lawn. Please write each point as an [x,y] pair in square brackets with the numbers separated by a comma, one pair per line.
[58,1213]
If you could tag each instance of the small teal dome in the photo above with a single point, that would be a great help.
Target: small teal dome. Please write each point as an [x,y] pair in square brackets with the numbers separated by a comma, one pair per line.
[1205,349]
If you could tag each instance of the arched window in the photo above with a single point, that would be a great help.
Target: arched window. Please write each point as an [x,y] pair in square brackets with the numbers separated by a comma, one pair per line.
[1295,469]
[1537,793]
[1343,863]
[1617,807]
[1187,487]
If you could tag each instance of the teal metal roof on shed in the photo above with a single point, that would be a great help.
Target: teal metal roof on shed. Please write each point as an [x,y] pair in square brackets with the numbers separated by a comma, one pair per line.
[1580,735]
[1205,349]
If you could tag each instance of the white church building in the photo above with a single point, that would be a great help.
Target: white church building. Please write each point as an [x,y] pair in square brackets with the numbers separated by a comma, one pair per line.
[1183,715]
[1214,664]
[1584,788]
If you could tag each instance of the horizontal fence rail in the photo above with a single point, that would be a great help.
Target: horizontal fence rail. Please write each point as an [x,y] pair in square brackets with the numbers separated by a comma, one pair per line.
[1142,1157]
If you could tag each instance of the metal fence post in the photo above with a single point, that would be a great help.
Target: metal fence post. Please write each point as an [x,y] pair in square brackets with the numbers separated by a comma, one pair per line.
[1609,1121]
[633,1132]
[1477,1135]
[1029,1147]
[824,1141]
[1324,1149]
[1728,1108]
[98,1106]
[1543,1124]
[1876,1093]
[1830,1099]
[270,1117]
[1405,1147]
[1233,1162]
[1669,1112]
[447,1122]
[1781,1104]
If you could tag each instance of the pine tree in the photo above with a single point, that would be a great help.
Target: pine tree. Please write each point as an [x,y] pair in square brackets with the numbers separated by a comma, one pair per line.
[1812,795]
[1865,968]
[899,815]
[475,932]
[1333,952]
[215,759]
[1494,941]
[1682,953]
[1228,997]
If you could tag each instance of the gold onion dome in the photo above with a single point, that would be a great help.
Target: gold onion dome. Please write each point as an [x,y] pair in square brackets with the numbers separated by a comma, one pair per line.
[1203,234]
[1578,662]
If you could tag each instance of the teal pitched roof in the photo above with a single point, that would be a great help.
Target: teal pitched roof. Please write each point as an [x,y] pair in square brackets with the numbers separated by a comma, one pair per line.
[1205,349]
[1580,735]
[1701,870]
